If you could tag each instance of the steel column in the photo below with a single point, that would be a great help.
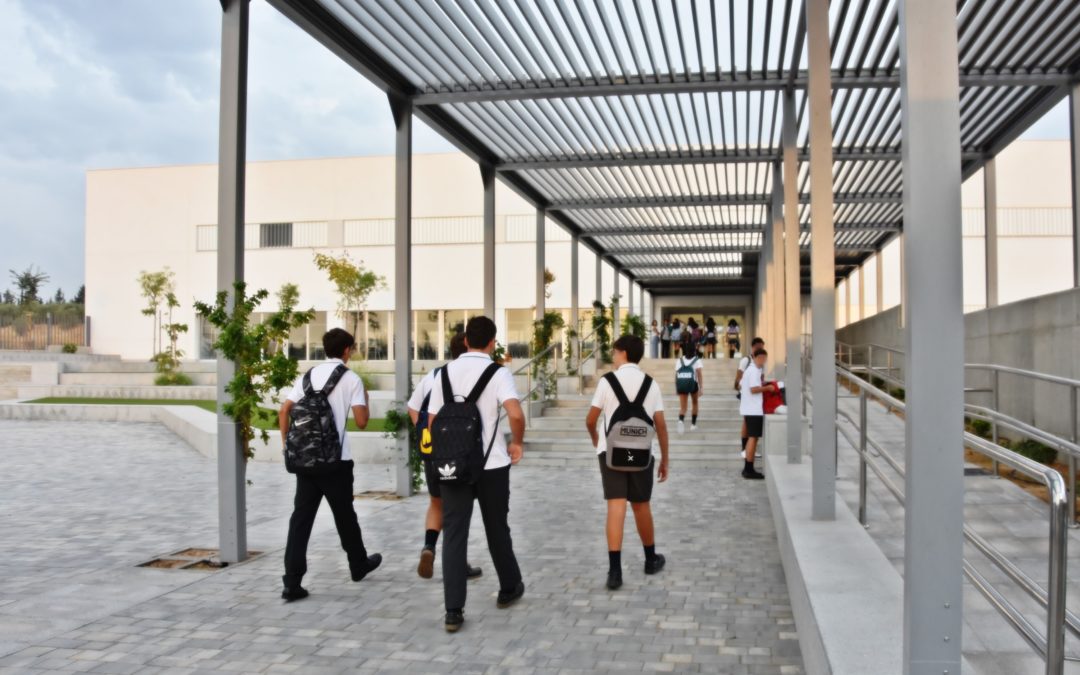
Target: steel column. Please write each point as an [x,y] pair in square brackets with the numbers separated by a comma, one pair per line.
[541,269]
[232,151]
[778,290]
[822,261]
[630,296]
[1074,135]
[487,177]
[599,288]
[847,300]
[934,331]
[575,311]
[879,282]
[991,233]
[792,281]
[615,303]
[401,109]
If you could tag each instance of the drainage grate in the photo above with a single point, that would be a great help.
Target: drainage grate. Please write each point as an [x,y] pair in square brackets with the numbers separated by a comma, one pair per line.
[200,559]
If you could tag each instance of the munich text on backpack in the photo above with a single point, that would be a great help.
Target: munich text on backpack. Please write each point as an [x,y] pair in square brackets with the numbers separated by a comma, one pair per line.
[630,430]
[685,377]
[457,436]
[312,444]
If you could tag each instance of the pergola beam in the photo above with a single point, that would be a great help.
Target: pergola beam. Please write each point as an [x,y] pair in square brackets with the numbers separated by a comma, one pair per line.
[662,230]
[699,250]
[711,200]
[721,82]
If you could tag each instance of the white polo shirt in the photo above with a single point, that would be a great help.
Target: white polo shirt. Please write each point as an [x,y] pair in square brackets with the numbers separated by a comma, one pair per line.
[416,401]
[349,392]
[750,403]
[631,377]
[464,372]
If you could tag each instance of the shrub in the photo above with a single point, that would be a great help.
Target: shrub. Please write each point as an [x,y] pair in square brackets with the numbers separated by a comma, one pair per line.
[981,428]
[395,422]
[1035,450]
[70,348]
[897,393]
[365,376]
[173,379]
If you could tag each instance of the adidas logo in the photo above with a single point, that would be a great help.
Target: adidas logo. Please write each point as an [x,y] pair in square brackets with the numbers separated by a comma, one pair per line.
[447,470]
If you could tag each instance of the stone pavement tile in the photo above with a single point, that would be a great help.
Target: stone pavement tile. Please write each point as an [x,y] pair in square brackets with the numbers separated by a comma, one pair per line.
[723,588]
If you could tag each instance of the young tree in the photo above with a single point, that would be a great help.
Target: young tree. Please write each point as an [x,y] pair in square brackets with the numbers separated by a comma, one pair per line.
[80,296]
[168,360]
[156,288]
[28,283]
[59,297]
[354,284]
[8,298]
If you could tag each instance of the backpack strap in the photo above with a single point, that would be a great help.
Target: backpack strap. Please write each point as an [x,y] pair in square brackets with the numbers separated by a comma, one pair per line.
[643,393]
[427,397]
[332,381]
[448,391]
[616,388]
[308,389]
[482,383]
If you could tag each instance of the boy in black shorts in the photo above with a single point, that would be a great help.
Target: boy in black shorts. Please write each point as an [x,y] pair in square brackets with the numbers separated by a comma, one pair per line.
[635,487]
[752,408]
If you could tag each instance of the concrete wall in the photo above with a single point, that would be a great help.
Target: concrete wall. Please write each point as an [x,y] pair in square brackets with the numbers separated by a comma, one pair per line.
[1040,334]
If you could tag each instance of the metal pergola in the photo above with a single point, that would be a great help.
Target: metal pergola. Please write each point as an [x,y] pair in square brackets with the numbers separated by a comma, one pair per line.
[703,146]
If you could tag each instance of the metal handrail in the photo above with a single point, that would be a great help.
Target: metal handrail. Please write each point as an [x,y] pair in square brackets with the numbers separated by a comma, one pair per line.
[1051,646]
[530,387]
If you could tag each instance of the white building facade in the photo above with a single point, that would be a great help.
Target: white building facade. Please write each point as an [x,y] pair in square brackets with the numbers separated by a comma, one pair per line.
[152,218]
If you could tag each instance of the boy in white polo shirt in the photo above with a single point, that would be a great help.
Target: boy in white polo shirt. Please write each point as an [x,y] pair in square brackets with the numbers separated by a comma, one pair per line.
[635,487]
[752,408]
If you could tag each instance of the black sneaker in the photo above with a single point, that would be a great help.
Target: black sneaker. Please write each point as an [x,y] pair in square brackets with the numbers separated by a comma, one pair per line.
[454,620]
[426,568]
[473,572]
[373,562]
[752,474]
[655,565]
[295,593]
[506,598]
[614,580]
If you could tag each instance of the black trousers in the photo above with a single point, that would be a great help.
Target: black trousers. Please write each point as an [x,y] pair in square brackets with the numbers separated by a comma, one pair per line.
[665,349]
[492,491]
[337,487]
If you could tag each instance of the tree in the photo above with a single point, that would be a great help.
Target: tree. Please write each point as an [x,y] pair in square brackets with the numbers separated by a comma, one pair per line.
[549,278]
[263,367]
[59,297]
[29,282]
[8,297]
[156,288]
[354,284]
[168,359]
[80,296]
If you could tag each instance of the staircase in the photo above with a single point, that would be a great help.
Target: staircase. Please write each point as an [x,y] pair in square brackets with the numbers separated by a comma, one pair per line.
[559,438]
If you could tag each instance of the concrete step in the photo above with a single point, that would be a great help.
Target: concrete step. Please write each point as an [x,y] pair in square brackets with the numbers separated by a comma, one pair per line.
[709,436]
[106,379]
[676,446]
[117,366]
[14,374]
[714,424]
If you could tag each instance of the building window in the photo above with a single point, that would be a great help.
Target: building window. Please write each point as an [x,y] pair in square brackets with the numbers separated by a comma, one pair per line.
[275,235]
[207,338]
[519,329]
[377,335]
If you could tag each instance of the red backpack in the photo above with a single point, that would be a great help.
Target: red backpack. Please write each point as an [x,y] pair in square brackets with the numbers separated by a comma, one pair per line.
[772,399]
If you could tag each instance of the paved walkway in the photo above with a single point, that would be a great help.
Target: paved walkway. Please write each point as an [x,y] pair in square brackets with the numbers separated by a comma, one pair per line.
[82,504]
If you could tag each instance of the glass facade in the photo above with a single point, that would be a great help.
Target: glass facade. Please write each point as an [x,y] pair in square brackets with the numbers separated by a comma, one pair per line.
[427,333]
[377,333]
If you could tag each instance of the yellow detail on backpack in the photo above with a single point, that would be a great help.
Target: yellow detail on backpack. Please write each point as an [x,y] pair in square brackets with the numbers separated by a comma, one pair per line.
[425,441]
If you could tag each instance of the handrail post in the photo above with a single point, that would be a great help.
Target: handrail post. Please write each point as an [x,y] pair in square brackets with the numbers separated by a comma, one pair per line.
[1070,489]
[1056,586]
[862,456]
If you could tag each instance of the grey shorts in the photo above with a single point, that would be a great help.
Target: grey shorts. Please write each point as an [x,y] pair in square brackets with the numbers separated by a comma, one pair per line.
[633,486]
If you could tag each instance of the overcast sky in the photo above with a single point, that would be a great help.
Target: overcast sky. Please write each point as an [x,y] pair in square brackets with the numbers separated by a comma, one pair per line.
[114,83]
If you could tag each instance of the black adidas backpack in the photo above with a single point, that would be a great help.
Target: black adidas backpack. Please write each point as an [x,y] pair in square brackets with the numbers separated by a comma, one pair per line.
[312,444]
[457,436]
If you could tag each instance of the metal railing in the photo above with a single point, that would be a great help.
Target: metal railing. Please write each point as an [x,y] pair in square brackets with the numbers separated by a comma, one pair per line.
[535,385]
[1070,447]
[1050,644]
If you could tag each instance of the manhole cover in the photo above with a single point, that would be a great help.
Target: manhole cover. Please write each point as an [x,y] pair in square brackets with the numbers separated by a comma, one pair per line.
[200,559]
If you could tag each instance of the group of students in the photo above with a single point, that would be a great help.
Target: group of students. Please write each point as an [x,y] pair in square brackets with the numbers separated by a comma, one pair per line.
[675,338]
[456,410]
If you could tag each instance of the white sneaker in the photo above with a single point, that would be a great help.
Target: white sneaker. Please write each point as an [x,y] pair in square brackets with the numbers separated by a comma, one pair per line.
[743,455]
[682,426]
[693,427]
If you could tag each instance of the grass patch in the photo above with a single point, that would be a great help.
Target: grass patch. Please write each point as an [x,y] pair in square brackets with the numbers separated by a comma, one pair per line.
[376,424]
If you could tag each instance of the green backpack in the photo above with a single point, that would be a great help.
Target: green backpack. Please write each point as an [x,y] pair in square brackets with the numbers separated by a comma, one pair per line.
[685,378]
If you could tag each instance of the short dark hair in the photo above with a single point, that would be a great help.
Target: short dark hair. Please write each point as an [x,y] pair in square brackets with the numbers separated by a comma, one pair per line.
[336,340]
[632,345]
[756,341]
[760,352]
[479,332]
[458,346]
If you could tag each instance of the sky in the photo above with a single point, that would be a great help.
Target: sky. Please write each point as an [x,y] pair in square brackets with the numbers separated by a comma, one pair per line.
[88,84]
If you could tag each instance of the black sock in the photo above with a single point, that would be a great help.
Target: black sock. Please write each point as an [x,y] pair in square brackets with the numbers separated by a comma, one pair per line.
[430,538]
[744,439]
[650,553]
[682,417]
[614,561]
[748,465]
[693,419]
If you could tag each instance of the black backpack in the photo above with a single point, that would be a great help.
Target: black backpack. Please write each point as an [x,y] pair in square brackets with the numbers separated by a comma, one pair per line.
[312,444]
[630,430]
[457,436]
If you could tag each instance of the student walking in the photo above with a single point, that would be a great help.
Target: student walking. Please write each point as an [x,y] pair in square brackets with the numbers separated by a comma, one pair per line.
[312,423]
[751,407]
[473,461]
[665,341]
[732,337]
[744,363]
[676,337]
[710,338]
[624,451]
[418,412]
[689,383]
[654,341]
